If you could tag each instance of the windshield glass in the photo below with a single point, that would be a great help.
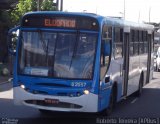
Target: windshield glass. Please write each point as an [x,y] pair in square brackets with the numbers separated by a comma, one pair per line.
[57,54]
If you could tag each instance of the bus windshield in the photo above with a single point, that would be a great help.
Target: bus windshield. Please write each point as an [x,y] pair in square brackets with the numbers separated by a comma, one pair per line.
[57,54]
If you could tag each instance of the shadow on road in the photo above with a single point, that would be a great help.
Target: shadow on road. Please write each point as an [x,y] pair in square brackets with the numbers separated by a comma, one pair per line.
[147,105]
[60,120]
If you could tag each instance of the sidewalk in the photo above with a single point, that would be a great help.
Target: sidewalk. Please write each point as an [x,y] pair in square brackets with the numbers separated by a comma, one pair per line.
[4,78]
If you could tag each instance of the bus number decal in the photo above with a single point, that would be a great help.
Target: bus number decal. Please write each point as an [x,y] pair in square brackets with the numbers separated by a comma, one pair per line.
[78,84]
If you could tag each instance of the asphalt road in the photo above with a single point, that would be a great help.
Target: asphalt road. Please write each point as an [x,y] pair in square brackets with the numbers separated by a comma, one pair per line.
[146,106]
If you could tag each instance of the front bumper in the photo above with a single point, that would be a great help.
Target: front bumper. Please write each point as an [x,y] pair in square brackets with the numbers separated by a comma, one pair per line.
[84,103]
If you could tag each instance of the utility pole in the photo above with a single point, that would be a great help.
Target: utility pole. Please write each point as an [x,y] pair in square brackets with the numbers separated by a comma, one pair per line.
[139,16]
[124,9]
[39,5]
[61,5]
[57,5]
[149,14]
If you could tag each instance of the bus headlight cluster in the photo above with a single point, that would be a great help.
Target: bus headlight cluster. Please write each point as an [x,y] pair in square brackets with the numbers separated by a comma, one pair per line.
[22,86]
[86,92]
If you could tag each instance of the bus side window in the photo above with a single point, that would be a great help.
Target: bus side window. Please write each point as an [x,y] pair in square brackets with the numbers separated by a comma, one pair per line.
[132,42]
[136,43]
[141,45]
[118,52]
[152,42]
[105,50]
[145,42]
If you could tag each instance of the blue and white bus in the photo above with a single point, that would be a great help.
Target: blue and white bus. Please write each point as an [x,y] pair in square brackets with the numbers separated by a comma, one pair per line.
[80,62]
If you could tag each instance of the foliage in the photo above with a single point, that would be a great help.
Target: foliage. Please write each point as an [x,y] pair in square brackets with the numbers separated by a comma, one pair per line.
[25,6]
[47,5]
[22,7]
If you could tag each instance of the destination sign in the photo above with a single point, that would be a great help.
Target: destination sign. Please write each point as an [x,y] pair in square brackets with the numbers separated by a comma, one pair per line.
[68,23]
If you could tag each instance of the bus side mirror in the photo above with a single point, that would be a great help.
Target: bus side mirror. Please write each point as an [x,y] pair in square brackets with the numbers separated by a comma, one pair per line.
[12,39]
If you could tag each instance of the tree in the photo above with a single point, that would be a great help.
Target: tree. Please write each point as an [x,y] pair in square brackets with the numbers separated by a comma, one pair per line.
[25,6]
[47,5]
[22,7]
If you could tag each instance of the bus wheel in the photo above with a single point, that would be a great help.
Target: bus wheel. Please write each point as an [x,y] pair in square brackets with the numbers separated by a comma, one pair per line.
[111,102]
[139,92]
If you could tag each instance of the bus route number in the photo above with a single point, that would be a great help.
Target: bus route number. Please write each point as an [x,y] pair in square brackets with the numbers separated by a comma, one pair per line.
[78,84]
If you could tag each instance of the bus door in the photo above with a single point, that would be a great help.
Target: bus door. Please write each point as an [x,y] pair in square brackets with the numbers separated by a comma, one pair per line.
[149,57]
[105,57]
[126,61]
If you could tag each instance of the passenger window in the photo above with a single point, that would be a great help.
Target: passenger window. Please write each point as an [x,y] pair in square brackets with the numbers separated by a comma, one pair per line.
[107,32]
[145,42]
[136,43]
[132,42]
[105,50]
[152,42]
[118,42]
[141,43]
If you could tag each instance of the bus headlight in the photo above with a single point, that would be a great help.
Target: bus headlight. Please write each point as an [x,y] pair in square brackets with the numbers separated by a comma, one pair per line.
[86,92]
[22,86]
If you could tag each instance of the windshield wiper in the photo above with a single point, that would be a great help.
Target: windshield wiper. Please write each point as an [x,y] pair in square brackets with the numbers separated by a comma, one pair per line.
[53,64]
[47,51]
[75,47]
[42,41]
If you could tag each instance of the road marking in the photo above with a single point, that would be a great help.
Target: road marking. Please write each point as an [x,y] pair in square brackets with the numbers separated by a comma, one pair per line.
[133,101]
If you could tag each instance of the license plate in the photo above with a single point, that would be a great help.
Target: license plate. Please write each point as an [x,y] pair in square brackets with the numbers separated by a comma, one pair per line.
[51,101]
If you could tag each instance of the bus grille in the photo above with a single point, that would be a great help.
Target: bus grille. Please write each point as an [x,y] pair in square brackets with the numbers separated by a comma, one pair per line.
[59,105]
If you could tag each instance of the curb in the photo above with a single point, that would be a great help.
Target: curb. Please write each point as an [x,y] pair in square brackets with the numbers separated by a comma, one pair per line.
[9,80]
[4,82]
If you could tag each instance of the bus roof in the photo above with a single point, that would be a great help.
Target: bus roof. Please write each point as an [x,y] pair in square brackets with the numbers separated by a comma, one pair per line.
[122,22]
[109,20]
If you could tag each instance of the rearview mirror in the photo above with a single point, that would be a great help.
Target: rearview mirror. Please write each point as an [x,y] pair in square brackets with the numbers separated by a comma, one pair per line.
[12,39]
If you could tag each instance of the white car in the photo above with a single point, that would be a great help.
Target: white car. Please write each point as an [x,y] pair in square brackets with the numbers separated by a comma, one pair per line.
[157,60]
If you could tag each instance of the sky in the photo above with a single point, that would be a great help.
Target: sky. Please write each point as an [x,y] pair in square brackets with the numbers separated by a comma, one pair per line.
[135,10]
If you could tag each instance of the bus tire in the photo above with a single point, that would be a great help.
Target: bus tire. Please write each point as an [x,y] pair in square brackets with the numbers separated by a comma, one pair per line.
[112,101]
[139,92]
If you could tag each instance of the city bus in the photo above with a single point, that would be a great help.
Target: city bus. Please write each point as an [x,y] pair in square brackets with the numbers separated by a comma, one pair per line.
[79,62]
